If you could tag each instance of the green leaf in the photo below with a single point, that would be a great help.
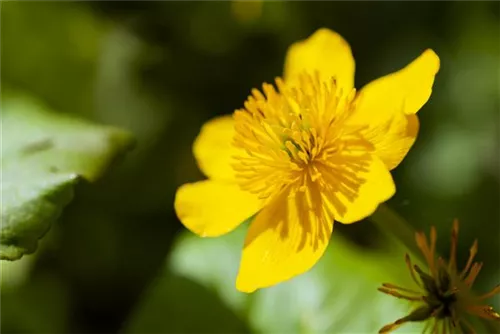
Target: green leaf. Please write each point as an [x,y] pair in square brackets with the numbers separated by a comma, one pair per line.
[40,305]
[15,273]
[175,304]
[63,72]
[338,295]
[43,156]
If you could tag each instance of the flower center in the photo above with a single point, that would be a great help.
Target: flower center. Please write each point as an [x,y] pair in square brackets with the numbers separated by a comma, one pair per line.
[293,135]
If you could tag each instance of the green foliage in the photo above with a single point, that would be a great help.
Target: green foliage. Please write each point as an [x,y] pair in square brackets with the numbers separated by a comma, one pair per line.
[188,308]
[43,156]
[57,55]
[339,294]
[41,306]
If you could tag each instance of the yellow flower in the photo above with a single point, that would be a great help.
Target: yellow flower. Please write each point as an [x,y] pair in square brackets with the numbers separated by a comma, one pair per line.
[444,295]
[302,154]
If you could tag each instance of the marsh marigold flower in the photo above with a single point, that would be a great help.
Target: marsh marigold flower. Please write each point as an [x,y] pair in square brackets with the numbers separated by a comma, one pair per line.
[443,295]
[302,153]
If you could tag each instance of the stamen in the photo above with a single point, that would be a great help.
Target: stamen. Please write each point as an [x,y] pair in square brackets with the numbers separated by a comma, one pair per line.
[288,134]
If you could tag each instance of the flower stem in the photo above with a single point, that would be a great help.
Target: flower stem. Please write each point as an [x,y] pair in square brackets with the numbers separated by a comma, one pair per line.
[396,228]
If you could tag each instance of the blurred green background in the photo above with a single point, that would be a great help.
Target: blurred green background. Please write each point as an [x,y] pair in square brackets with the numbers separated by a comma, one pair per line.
[118,260]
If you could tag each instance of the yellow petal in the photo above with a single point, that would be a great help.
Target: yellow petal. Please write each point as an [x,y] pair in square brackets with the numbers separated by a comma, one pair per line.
[324,51]
[387,108]
[392,140]
[283,241]
[363,182]
[212,208]
[213,148]
[404,91]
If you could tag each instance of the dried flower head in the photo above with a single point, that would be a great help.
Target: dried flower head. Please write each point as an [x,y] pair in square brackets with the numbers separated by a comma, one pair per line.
[444,293]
